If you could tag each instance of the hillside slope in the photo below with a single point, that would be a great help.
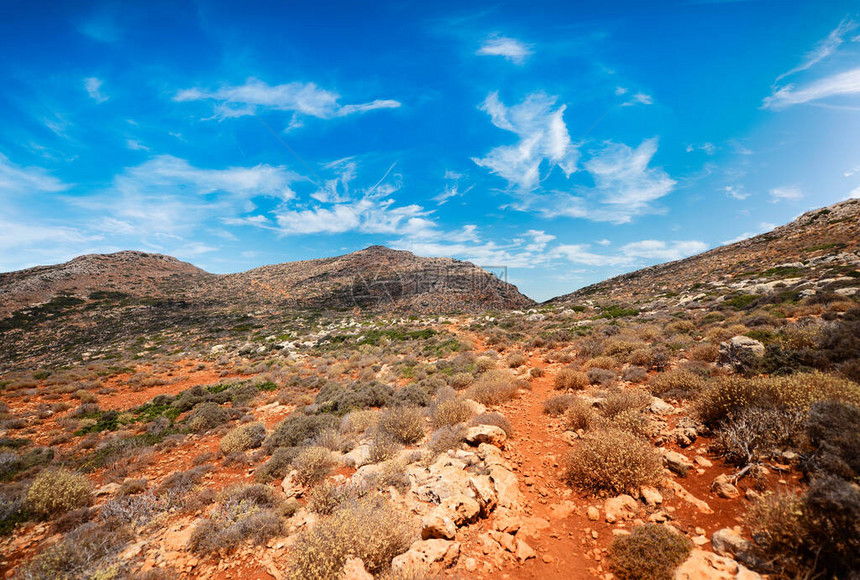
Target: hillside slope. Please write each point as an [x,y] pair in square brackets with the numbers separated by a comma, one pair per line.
[819,251]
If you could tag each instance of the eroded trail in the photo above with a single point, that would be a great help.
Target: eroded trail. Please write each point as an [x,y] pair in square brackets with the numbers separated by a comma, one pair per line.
[551,519]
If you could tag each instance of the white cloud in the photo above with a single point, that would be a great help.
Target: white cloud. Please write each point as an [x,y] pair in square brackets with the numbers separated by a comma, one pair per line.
[625,182]
[855,193]
[629,255]
[786,193]
[93,87]
[366,215]
[543,139]
[824,48]
[708,148]
[300,98]
[136,145]
[603,242]
[510,48]
[736,191]
[845,83]
[16,180]
[168,196]
[851,171]
[662,251]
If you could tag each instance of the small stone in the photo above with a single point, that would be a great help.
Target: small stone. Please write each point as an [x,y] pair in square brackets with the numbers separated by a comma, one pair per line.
[593,513]
[723,488]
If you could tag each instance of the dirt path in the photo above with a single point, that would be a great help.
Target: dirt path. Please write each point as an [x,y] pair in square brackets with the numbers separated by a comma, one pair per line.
[554,524]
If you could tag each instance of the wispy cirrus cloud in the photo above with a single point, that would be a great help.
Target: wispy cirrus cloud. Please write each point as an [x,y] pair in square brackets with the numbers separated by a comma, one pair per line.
[823,49]
[846,82]
[511,49]
[625,186]
[841,84]
[93,86]
[167,196]
[543,140]
[17,180]
[786,193]
[641,252]
[299,98]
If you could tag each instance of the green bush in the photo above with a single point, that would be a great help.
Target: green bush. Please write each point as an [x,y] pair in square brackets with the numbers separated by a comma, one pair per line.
[243,437]
[59,490]
[649,552]
[610,462]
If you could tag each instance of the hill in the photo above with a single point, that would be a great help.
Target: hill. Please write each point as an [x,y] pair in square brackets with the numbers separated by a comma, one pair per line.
[818,252]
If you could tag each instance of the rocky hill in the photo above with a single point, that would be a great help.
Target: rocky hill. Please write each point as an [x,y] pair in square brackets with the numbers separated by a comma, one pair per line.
[375,278]
[130,273]
[818,252]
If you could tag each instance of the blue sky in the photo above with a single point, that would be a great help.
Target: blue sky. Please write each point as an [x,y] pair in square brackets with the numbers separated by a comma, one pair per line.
[569,141]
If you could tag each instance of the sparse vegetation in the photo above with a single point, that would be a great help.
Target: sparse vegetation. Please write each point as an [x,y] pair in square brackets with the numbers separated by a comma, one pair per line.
[609,462]
[650,552]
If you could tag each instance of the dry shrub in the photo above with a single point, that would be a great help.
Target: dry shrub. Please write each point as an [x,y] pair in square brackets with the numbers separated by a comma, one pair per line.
[313,464]
[359,421]
[600,362]
[404,424]
[833,428]
[243,437]
[621,400]
[640,357]
[557,405]
[726,396]
[516,359]
[206,416]
[495,419]
[298,429]
[581,415]
[369,528]
[278,466]
[485,363]
[603,377]
[649,552]
[705,352]
[59,490]
[447,437]
[494,387]
[450,412]
[676,383]
[570,378]
[610,462]
[635,374]
[633,422]
[246,512]
[87,552]
[536,372]
[461,380]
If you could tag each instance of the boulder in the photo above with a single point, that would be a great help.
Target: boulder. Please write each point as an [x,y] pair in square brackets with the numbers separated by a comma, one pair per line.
[728,542]
[485,493]
[739,351]
[723,488]
[650,495]
[358,457]
[460,508]
[676,462]
[507,489]
[702,565]
[425,555]
[354,569]
[291,487]
[489,434]
[620,508]
[660,407]
[523,551]
[437,525]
